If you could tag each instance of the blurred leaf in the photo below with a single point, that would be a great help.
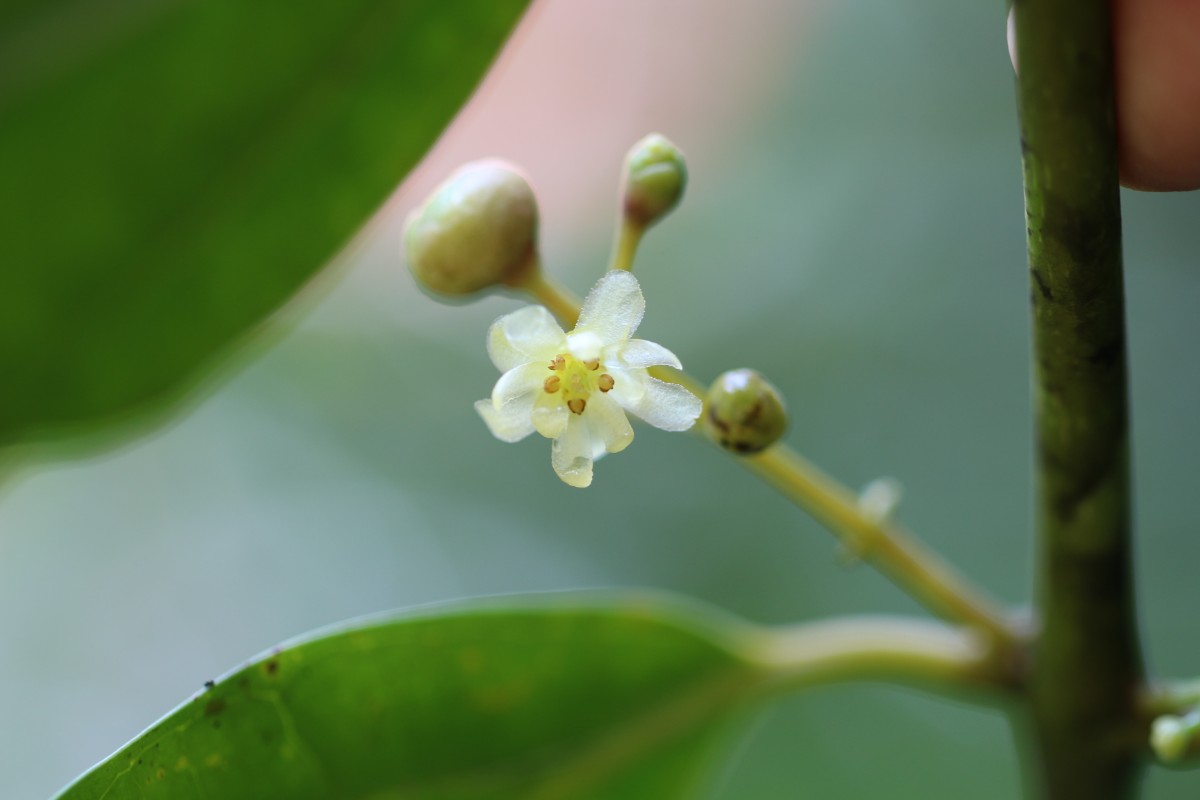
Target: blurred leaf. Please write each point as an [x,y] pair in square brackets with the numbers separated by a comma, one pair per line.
[563,698]
[173,172]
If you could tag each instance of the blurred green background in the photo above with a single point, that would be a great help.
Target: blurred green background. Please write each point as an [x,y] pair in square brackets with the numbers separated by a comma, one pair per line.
[853,229]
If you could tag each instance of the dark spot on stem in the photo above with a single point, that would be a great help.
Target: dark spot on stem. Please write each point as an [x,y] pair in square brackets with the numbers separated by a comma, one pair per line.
[1043,287]
[214,707]
[1107,355]
[209,684]
[272,667]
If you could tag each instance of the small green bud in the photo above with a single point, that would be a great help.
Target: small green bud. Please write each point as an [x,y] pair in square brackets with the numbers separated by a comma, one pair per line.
[744,412]
[879,498]
[1171,736]
[655,176]
[478,229]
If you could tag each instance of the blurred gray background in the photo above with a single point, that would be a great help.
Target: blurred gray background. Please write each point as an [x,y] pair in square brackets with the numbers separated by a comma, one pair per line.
[853,229]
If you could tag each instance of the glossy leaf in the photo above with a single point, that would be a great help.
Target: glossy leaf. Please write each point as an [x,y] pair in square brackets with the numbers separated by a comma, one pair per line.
[173,172]
[560,698]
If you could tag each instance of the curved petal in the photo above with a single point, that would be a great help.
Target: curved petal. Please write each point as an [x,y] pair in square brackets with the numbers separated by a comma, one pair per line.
[550,415]
[639,353]
[528,334]
[571,453]
[629,385]
[610,428]
[667,405]
[521,383]
[508,424]
[613,308]
[585,345]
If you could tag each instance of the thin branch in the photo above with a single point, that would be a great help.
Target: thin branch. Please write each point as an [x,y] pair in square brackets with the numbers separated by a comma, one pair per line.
[1170,697]
[629,235]
[917,570]
[920,571]
[917,652]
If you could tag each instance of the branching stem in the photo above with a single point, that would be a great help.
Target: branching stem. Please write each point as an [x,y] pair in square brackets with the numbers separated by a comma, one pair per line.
[914,568]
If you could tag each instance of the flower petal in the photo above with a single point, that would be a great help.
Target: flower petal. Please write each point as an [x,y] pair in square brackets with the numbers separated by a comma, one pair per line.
[629,385]
[521,383]
[666,405]
[510,423]
[528,334]
[550,415]
[613,308]
[571,453]
[610,428]
[641,353]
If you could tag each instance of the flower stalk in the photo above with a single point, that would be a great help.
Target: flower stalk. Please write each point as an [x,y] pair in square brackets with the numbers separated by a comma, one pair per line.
[629,236]
[917,570]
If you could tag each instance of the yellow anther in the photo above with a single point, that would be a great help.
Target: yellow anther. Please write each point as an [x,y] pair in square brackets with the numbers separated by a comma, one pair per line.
[592,364]
[551,384]
[577,405]
[558,363]
[605,382]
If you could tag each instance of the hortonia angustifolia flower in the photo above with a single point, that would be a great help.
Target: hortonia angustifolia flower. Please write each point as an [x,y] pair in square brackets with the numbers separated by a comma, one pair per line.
[575,388]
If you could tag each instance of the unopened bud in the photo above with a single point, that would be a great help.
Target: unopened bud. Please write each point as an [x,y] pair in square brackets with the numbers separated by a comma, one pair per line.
[655,176]
[1172,736]
[478,229]
[879,498]
[744,412]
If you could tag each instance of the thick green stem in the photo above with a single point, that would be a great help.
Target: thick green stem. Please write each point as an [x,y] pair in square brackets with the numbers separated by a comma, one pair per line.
[1087,665]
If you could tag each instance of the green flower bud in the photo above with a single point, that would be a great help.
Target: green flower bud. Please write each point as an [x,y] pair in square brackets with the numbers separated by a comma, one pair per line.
[655,176]
[478,229]
[1172,736]
[744,412]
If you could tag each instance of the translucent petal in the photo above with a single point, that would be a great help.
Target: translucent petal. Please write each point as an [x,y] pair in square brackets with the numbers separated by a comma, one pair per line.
[610,427]
[521,382]
[641,353]
[528,334]
[585,345]
[550,415]
[629,385]
[667,405]
[508,424]
[571,453]
[613,308]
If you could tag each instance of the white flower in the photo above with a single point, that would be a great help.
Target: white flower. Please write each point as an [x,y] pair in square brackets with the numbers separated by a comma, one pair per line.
[575,388]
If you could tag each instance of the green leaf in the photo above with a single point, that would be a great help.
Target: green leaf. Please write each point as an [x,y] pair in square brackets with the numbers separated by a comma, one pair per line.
[173,172]
[559,698]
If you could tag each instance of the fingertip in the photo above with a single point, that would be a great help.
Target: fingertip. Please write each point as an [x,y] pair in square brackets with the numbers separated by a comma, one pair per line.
[1158,93]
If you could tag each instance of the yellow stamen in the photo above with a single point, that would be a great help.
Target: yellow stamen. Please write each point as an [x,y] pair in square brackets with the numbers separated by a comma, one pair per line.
[593,364]
[605,382]
[577,405]
[551,384]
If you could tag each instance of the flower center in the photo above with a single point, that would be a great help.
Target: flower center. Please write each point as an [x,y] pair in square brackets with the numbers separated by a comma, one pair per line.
[575,380]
